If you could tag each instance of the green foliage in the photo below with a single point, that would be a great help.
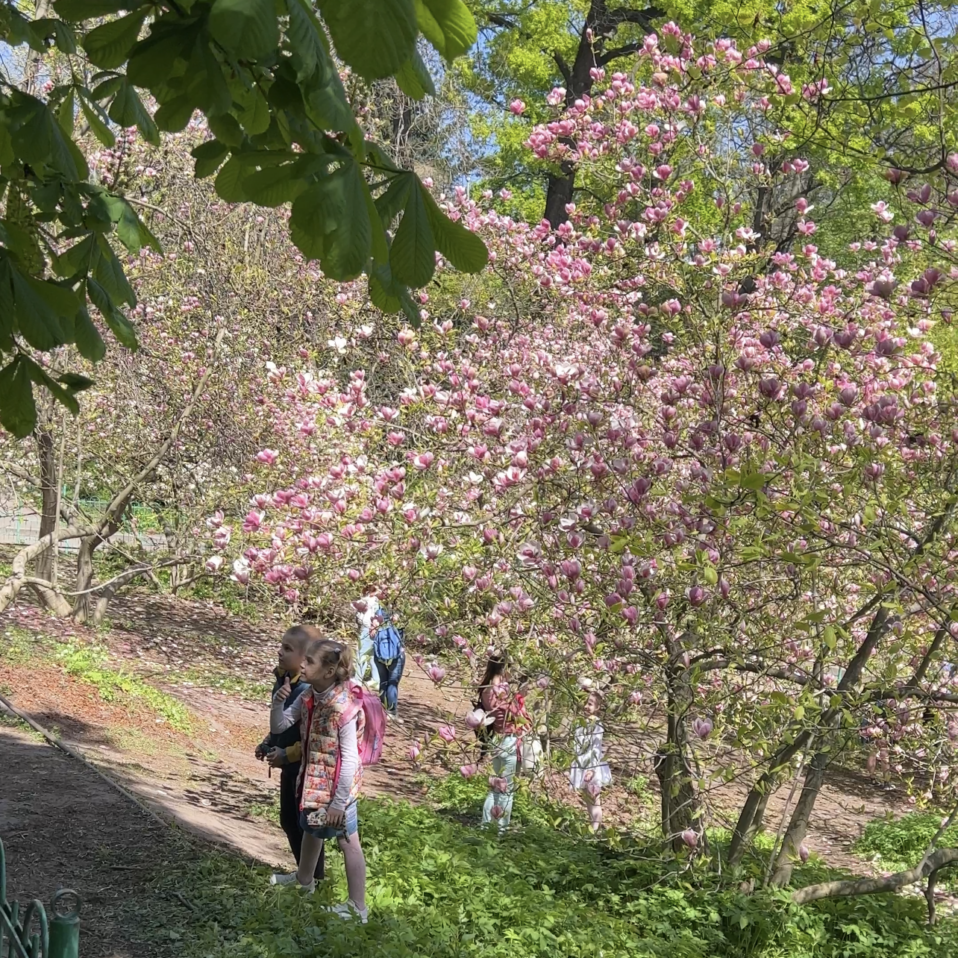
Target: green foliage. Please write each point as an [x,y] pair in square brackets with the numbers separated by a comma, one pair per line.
[899,844]
[89,664]
[441,888]
[266,79]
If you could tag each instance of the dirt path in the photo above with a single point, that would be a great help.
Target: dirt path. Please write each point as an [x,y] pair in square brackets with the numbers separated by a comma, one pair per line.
[63,826]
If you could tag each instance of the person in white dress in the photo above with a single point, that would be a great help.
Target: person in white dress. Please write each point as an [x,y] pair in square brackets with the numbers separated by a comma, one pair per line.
[367,619]
[590,773]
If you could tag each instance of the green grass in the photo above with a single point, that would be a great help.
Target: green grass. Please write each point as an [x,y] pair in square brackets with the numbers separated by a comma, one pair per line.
[443,888]
[895,845]
[20,646]
[89,664]
[267,811]
[208,678]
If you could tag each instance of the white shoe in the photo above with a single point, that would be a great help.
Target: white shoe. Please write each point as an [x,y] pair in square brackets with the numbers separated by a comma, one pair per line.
[349,910]
[278,878]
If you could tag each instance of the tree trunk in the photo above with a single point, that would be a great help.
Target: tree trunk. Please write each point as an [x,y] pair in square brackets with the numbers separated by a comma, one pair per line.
[753,811]
[600,26]
[815,774]
[680,810]
[49,482]
[83,605]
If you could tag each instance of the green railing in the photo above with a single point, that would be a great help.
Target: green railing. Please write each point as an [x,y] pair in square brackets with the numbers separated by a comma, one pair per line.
[30,934]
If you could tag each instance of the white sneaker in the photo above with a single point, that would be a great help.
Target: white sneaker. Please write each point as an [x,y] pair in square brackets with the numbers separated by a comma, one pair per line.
[349,910]
[278,878]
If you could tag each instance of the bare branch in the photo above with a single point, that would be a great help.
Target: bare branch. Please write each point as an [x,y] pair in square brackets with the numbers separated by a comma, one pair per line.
[846,888]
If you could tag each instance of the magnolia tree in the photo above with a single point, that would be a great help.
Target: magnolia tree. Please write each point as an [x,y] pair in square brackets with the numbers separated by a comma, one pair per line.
[721,485]
[170,429]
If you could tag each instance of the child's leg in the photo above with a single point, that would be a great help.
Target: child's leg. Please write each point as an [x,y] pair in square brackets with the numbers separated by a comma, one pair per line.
[309,858]
[355,869]
[395,674]
[508,768]
[382,670]
[594,805]
[492,799]
[289,812]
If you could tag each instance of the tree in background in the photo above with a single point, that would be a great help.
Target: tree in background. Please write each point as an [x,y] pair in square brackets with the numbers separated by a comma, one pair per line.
[871,86]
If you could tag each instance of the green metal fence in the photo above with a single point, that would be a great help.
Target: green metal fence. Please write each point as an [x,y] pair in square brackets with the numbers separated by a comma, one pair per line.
[30,934]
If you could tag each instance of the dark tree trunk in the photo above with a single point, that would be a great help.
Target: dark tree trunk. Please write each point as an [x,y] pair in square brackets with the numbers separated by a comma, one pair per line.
[49,483]
[680,809]
[600,27]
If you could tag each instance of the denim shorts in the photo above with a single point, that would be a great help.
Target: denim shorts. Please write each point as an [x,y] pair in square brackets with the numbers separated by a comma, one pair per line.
[350,826]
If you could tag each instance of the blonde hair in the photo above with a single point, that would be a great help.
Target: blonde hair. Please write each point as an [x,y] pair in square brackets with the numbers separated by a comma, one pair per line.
[331,652]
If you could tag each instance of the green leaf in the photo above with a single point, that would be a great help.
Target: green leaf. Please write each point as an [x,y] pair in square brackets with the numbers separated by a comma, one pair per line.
[209,157]
[65,39]
[109,45]
[412,258]
[254,114]
[66,112]
[89,342]
[390,296]
[100,130]
[157,57]
[38,323]
[305,36]
[391,203]
[119,325]
[273,186]
[447,25]
[375,37]
[829,637]
[41,378]
[229,181]
[413,78]
[226,129]
[109,274]
[348,244]
[127,110]
[173,116]
[18,412]
[75,382]
[77,10]
[464,250]
[246,28]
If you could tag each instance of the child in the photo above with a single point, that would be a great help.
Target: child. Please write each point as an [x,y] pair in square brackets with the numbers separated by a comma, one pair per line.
[331,721]
[367,618]
[389,658]
[509,715]
[283,751]
[589,772]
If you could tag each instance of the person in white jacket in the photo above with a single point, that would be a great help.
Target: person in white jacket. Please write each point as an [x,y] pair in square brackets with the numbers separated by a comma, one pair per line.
[590,773]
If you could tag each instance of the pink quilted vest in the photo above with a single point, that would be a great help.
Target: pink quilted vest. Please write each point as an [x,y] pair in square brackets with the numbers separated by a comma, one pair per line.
[319,730]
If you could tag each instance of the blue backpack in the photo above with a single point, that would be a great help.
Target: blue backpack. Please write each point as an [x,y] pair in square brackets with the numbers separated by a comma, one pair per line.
[388,643]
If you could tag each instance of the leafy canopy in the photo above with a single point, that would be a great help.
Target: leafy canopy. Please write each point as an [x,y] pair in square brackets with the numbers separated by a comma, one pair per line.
[264,76]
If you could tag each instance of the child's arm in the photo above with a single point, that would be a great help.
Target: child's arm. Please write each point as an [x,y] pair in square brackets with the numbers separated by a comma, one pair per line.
[348,763]
[281,718]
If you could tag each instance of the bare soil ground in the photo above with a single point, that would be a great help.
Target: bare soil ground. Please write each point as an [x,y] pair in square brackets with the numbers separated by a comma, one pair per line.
[61,823]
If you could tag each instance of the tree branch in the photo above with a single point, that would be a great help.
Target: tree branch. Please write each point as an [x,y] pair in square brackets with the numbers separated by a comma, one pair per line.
[624,51]
[846,888]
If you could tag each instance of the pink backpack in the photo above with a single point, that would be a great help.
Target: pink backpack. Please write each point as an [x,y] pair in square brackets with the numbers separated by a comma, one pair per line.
[371,747]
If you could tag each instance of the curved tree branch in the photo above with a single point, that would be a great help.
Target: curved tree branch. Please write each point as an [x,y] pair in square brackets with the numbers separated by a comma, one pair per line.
[846,888]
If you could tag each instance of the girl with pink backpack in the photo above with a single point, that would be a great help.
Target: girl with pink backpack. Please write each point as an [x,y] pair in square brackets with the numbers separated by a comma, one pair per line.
[341,727]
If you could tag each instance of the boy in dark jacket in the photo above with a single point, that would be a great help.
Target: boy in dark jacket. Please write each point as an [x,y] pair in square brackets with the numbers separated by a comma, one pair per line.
[284,750]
